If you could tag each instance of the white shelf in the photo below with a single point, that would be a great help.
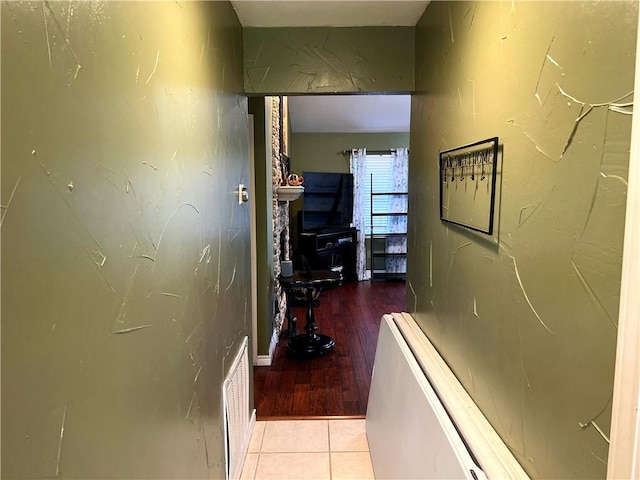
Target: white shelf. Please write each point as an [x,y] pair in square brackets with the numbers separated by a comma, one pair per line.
[287,193]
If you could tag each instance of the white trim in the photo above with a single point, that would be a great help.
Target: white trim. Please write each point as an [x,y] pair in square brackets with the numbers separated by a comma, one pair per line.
[409,431]
[624,452]
[265,360]
[254,248]
[489,450]
[250,428]
[235,402]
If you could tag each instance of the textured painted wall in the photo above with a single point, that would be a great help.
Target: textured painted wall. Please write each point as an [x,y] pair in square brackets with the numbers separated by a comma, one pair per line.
[324,60]
[125,254]
[527,319]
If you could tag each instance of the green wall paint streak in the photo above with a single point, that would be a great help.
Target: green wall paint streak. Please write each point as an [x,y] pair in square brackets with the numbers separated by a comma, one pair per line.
[325,60]
[125,254]
[527,324]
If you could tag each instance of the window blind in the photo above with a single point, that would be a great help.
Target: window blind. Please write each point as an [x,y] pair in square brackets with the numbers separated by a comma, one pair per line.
[378,168]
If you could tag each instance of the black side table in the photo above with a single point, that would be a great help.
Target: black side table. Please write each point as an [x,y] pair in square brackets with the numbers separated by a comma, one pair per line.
[309,344]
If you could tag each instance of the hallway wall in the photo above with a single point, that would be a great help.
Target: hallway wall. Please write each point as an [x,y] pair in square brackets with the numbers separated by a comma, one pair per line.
[322,152]
[527,319]
[328,59]
[125,254]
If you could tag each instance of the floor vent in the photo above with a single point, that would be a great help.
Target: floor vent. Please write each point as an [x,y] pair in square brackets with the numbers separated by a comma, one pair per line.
[238,420]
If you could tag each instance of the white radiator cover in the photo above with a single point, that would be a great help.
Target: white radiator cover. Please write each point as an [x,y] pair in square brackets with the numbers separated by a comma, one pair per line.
[238,419]
[421,423]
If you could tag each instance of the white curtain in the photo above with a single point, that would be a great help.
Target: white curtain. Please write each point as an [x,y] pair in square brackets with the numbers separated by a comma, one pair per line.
[358,158]
[399,203]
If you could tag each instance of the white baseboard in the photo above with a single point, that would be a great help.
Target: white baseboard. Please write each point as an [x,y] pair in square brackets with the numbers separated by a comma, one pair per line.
[265,360]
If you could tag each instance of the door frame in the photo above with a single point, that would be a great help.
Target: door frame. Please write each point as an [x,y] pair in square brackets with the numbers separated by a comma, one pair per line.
[624,451]
[254,248]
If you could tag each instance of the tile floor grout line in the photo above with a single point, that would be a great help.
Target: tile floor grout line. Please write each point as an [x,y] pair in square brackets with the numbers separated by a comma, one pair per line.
[330,462]
[262,438]
[255,470]
[329,445]
[330,468]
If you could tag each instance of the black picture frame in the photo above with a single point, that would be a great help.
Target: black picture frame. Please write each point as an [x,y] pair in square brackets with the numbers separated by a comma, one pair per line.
[465,199]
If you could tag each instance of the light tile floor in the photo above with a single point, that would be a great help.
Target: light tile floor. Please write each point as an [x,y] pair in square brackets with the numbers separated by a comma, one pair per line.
[308,450]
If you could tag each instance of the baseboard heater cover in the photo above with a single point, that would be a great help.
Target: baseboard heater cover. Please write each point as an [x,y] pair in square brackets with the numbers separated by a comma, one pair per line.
[421,423]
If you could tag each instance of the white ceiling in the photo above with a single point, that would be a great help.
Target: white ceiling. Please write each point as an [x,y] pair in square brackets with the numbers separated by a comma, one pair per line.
[338,113]
[349,113]
[328,13]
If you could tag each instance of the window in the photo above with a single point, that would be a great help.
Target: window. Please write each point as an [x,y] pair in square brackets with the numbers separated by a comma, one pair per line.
[389,172]
[380,169]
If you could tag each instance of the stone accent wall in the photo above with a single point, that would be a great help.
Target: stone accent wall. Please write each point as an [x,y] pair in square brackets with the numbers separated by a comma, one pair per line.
[280,216]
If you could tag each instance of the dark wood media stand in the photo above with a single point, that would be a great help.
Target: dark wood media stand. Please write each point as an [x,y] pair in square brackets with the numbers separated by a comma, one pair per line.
[333,250]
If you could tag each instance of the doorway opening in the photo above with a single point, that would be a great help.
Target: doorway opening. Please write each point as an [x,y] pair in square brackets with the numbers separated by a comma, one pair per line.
[318,134]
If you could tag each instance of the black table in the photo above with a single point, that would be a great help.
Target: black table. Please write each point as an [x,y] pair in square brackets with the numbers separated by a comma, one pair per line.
[309,344]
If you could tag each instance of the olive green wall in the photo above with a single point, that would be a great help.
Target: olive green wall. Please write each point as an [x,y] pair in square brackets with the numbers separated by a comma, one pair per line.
[125,253]
[263,194]
[527,324]
[325,60]
[322,152]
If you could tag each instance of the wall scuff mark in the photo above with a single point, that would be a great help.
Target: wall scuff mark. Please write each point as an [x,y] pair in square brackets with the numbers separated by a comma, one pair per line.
[623,108]
[615,177]
[591,294]
[524,292]
[598,429]
[74,69]
[613,105]
[194,398]
[46,33]
[64,421]
[546,58]
[149,165]
[5,208]
[233,277]
[99,259]
[155,68]
[132,329]
[527,212]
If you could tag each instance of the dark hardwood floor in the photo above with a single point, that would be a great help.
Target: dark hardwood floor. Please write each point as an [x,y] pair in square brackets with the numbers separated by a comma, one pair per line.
[336,384]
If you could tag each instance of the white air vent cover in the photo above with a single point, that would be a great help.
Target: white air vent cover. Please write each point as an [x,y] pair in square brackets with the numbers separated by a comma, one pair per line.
[238,420]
